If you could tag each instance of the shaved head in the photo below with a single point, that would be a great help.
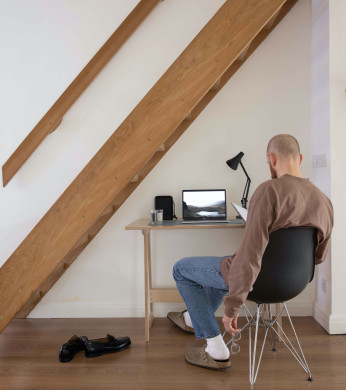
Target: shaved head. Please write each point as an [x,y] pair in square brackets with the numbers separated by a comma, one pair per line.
[285,146]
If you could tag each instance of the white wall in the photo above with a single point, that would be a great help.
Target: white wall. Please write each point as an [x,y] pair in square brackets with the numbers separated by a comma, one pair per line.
[46,44]
[337,38]
[328,125]
[320,138]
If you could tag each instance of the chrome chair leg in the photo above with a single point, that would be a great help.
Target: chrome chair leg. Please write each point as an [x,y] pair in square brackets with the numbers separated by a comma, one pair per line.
[258,321]
[300,358]
[271,329]
[252,353]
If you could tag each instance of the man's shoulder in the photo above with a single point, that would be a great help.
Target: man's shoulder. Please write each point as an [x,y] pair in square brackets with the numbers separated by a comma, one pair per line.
[273,187]
[286,186]
[263,187]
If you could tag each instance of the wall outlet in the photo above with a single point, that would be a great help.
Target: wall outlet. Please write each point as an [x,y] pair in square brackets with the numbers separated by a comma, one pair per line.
[324,286]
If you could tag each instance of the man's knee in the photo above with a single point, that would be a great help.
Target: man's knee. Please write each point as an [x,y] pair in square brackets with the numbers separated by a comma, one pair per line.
[177,268]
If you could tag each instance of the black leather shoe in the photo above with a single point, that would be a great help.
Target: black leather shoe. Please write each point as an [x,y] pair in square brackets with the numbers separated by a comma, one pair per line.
[109,344]
[69,349]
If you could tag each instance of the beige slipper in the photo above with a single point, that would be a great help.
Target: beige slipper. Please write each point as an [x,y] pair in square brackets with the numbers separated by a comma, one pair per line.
[198,357]
[178,319]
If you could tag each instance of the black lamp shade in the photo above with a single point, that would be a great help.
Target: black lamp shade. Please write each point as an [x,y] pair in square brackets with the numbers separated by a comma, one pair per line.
[234,162]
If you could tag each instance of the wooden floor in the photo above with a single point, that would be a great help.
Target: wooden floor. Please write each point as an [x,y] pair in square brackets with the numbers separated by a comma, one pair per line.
[29,359]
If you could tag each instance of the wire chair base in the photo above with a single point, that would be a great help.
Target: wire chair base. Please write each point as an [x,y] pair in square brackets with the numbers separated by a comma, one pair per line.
[257,320]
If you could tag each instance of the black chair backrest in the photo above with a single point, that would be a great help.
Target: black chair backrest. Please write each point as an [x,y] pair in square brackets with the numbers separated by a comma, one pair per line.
[288,265]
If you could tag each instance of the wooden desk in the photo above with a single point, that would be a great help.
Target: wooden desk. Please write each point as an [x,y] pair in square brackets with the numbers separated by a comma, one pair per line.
[153,295]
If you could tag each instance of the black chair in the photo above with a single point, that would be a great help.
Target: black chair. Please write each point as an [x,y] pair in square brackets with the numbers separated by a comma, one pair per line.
[288,265]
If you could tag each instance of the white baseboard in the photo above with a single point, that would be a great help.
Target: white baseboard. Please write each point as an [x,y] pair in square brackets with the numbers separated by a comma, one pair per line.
[322,316]
[332,323]
[85,310]
[337,324]
[80,309]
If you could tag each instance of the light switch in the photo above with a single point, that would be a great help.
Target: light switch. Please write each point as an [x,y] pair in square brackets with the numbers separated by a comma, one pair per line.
[321,161]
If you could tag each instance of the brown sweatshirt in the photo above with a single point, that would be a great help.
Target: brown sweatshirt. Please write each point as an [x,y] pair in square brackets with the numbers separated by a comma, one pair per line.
[277,203]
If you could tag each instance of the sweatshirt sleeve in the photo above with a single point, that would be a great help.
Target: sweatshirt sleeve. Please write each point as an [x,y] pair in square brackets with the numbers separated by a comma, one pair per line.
[246,264]
[324,235]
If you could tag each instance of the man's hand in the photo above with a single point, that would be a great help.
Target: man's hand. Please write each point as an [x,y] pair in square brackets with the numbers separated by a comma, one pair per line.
[230,324]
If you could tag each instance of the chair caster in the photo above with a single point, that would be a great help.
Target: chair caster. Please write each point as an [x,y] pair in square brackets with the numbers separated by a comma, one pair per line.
[274,349]
[310,379]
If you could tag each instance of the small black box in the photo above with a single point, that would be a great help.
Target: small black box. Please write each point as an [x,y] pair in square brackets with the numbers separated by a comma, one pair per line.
[166,204]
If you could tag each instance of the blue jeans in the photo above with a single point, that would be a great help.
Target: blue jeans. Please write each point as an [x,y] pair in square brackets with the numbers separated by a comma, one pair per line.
[202,287]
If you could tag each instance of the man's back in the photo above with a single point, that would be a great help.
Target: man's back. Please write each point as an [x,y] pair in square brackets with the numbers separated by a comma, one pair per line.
[298,202]
[278,203]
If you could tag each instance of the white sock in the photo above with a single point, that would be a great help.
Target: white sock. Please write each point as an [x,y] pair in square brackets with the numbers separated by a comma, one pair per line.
[187,319]
[217,348]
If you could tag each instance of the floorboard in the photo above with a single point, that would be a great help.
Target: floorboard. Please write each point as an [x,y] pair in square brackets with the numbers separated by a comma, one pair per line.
[29,359]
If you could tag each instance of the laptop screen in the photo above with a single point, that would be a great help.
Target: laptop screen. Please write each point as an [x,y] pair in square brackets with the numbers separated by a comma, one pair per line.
[204,204]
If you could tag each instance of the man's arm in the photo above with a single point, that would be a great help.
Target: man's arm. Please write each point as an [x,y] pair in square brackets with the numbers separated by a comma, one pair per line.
[324,237]
[246,264]
[322,249]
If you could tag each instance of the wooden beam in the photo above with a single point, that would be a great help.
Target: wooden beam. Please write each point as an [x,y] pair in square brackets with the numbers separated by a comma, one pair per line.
[56,126]
[108,210]
[53,117]
[188,116]
[135,179]
[244,52]
[85,239]
[271,22]
[132,149]
[33,301]
[41,292]
[216,86]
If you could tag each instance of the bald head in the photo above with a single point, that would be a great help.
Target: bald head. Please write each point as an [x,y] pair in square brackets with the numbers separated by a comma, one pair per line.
[285,146]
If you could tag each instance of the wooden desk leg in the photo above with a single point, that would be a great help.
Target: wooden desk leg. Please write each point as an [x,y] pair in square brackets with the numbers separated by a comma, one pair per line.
[146,234]
[151,314]
[279,321]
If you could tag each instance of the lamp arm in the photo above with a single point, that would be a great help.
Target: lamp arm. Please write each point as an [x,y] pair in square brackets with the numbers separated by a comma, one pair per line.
[246,189]
[245,193]
[243,198]
[244,170]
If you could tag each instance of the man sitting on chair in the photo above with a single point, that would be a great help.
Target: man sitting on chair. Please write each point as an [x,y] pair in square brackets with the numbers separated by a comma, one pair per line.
[287,200]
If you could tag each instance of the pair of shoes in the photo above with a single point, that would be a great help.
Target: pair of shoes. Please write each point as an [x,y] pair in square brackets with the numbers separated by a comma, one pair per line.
[92,348]
[178,319]
[197,356]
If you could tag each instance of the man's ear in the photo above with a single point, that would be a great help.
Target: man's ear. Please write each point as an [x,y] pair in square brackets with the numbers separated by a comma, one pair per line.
[300,158]
[273,159]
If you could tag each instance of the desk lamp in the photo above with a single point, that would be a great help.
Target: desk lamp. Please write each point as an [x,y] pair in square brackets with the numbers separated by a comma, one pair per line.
[233,163]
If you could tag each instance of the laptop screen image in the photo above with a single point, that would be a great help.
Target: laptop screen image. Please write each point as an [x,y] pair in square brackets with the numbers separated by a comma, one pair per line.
[204,205]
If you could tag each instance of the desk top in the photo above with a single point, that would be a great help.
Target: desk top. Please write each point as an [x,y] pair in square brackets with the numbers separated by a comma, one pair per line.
[143,224]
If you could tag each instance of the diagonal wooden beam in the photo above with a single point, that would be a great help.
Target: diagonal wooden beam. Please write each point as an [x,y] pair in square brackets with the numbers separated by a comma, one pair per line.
[53,117]
[271,22]
[133,149]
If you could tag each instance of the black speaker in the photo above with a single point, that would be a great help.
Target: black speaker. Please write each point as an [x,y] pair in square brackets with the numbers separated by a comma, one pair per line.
[165,203]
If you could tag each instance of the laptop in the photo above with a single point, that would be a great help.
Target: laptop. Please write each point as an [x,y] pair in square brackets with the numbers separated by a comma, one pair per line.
[204,206]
